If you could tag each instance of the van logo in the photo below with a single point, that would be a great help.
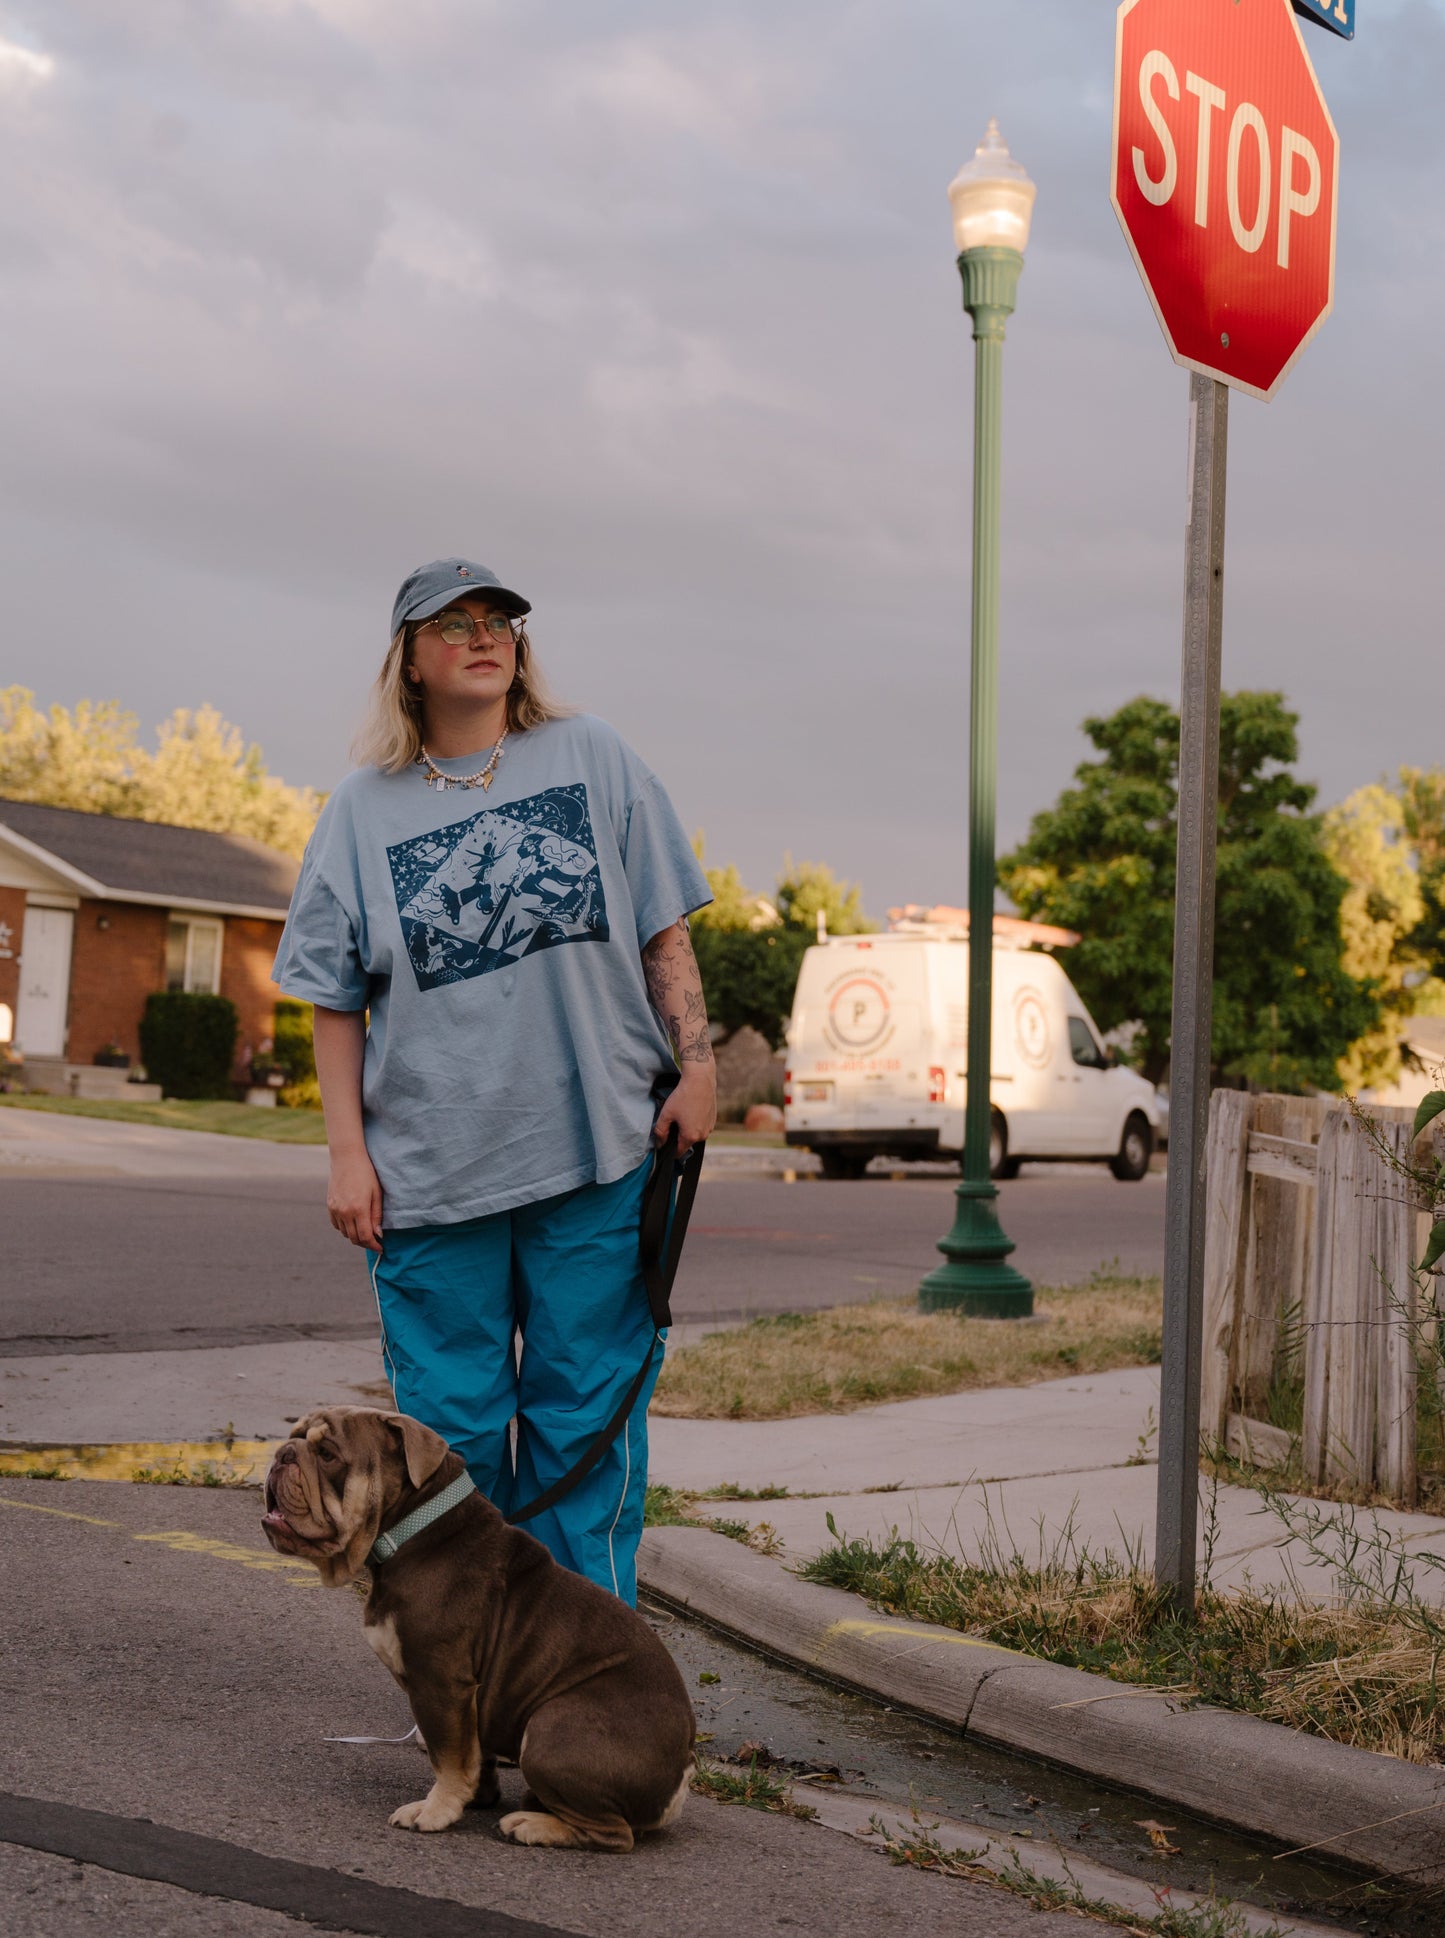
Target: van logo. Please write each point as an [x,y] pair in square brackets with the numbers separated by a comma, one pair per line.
[1031,1028]
[860,1016]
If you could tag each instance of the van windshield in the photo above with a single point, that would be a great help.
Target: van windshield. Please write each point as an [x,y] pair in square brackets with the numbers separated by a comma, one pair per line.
[1085,1049]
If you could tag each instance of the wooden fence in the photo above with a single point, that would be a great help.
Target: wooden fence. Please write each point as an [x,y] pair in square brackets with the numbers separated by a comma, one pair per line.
[1309,1248]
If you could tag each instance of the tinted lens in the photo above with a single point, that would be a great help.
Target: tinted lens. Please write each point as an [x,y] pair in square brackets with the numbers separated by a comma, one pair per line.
[456,627]
[499,625]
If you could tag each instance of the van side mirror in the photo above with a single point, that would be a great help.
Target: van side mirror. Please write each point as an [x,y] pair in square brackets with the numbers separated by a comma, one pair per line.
[1111,1057]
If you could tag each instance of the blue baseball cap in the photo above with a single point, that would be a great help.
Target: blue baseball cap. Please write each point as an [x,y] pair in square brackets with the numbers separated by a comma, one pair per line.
[433,587]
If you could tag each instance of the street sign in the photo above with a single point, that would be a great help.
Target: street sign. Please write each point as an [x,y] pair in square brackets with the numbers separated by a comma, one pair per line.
[1337,15]
[1225,176]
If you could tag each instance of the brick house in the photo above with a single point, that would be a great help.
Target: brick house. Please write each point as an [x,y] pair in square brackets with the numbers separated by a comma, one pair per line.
[97,912]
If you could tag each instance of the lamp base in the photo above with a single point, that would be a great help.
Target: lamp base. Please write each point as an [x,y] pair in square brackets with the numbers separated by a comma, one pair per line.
[977,1280]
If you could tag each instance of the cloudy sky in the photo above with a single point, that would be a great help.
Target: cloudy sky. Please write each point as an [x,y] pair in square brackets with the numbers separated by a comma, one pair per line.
[651,305]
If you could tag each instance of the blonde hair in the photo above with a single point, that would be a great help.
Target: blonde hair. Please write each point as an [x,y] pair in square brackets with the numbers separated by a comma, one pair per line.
[391,736]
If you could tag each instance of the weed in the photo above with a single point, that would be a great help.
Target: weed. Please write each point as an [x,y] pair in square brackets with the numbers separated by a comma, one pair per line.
[729,1490]
[38,1473]
[1142,1453]
[667,1507]
[676,1507]
[1208,1918]
[757,1787]
[205,1473]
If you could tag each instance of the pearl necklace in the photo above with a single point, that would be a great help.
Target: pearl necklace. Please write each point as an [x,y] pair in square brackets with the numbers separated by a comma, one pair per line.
[482,778]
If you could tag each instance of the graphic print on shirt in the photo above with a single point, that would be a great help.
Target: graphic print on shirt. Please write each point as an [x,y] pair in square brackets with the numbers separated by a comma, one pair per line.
[498,886]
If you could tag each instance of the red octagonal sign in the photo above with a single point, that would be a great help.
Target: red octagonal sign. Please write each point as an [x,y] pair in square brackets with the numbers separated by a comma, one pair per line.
[1225,173]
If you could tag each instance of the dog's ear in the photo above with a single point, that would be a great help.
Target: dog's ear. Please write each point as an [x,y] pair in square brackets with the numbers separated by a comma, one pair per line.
[425,1451]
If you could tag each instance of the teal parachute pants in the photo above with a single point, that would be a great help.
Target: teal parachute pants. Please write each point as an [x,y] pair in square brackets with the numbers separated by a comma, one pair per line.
[565,1273]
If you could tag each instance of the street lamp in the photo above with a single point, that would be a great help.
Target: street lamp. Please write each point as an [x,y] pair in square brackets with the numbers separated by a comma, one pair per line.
[992,201]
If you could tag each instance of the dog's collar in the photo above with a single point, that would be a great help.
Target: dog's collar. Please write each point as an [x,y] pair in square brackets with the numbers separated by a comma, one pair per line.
[386,1545]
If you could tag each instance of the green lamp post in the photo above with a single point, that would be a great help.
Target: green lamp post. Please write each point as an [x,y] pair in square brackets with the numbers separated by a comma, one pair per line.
[992,201]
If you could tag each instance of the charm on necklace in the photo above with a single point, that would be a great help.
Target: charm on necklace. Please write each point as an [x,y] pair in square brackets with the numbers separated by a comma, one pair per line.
[483,778]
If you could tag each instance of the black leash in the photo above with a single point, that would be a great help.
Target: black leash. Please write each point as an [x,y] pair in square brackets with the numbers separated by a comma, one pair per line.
[666,1208]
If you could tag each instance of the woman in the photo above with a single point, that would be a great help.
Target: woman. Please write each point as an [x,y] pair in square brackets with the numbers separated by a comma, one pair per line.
[491,921]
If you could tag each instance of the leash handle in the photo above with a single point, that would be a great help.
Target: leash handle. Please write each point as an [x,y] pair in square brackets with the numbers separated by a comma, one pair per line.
[665,1219]
[663,1228]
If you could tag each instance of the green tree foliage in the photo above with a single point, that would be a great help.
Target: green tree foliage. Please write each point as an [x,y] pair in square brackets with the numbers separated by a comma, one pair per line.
[1422,797]
[749,949]
[807,887]
[733,906]
[1102,861]
[200,775]
[748,977]
[1382,914]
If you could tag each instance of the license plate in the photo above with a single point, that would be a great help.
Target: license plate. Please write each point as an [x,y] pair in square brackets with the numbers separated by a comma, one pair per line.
[816,1093]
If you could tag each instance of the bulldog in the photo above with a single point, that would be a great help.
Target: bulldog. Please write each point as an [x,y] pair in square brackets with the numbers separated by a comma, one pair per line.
[501,1652]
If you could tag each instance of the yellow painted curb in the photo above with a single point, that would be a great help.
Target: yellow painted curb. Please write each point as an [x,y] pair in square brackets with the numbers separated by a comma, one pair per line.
[224,1463]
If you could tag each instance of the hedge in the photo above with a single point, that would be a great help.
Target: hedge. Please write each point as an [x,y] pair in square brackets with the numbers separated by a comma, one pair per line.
[291,1034]
[188,1043]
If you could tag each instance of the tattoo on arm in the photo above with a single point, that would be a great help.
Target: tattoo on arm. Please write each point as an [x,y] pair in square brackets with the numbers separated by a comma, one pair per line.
[674,988]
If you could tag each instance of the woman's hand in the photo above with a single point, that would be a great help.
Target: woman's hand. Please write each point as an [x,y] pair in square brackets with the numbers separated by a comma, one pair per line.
[353,1199]
[692,1107]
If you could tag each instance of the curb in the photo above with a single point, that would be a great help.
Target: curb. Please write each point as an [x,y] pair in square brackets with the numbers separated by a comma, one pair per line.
[1371,1811]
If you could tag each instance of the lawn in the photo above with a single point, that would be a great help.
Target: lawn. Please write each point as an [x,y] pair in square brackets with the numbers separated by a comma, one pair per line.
[175,1113]
[280,1126]
[792,1363]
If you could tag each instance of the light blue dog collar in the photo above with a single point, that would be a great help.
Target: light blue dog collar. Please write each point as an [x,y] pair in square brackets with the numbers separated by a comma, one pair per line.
[421,1517]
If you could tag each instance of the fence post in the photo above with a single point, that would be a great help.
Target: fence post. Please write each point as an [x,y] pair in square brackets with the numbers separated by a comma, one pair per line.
[1226,1230]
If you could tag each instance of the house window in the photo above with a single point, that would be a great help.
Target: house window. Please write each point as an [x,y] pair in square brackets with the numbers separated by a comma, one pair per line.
[193,955]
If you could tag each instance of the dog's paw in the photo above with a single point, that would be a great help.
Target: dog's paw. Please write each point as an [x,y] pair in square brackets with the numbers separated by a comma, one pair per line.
[536,1827]
[428,1813]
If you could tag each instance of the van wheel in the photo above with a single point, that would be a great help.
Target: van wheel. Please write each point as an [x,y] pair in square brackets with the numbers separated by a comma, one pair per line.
[1136,1147]
[843,1165]
[1000,1164]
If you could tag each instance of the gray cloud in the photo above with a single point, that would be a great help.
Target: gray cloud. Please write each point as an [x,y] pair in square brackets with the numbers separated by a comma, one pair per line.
[655,309]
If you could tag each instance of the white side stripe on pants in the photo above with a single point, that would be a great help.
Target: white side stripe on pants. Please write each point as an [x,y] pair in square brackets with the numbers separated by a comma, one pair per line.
[622,1502]
[386,1358]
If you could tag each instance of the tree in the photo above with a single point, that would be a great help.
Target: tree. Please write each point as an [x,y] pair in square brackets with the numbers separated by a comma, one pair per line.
[749,950]
[733,906]
[201,775]
[807,887]
[1102,861]
[1367,840]
[1422,797]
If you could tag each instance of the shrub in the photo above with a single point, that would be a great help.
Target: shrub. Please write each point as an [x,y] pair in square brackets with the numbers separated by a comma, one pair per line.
[305,1095]
[187,1043]
[291,1034]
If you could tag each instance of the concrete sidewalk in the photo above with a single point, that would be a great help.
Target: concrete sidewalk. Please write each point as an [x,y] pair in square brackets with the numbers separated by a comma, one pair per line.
[1022,1467]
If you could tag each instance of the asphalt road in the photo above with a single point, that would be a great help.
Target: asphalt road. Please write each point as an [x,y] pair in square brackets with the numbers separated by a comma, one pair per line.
[112,1264]
[163,1770]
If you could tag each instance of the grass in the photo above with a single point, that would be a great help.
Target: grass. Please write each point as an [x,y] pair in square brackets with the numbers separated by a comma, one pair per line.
[791,1363]
[1209,1918]
[677,1507]
[758,1788]
[1367,1671]
[207,1473]
[176,1113]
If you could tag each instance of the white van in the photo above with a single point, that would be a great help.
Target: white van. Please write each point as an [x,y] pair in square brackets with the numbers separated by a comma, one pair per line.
[877,1044]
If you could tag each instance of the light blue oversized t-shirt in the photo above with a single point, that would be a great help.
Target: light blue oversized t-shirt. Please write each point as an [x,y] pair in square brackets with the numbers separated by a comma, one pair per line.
[496,939]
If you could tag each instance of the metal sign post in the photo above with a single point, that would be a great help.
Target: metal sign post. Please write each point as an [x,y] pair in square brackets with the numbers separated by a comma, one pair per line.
[1238,258]
[1193,1004]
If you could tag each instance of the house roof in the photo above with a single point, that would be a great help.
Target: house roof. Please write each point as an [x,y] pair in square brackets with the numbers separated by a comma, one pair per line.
[152,862]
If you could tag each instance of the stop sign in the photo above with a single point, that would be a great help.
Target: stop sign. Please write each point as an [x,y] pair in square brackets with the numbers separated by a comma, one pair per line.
[1225,171]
